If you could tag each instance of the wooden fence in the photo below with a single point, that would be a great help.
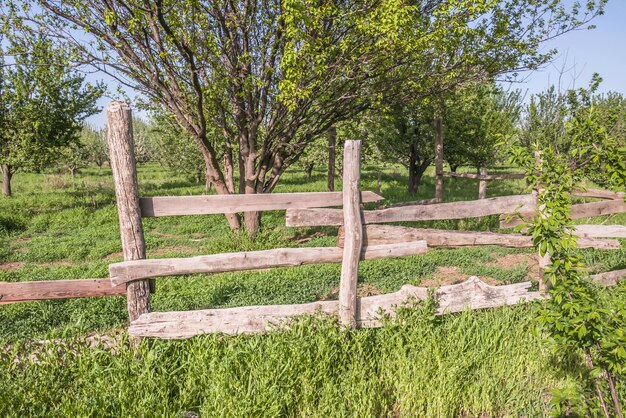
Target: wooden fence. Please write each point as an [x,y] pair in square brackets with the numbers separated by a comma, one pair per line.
[361,237]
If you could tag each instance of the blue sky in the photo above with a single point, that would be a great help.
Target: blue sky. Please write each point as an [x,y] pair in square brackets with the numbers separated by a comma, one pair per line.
[580,54]
[583,52]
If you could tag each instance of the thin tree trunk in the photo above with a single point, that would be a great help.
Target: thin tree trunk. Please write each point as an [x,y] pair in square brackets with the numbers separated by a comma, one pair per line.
[413,170]
[438,161]
[309,171]
[332,143]
[6,180]
[228,172]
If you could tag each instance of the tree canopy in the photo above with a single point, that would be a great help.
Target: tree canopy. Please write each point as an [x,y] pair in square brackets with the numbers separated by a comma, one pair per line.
[270,75]
[43,102]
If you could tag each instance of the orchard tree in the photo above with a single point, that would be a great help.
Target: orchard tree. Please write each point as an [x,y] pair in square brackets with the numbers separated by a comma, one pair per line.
[172,147]
[94,142]
[90,148]
[270,75]
[43,102]
[475,119]
[404,134]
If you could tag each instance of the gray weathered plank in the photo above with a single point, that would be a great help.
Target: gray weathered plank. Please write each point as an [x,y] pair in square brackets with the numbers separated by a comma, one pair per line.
[600,194]
[609,278]
[438,211]
[482,184]
[214,204]
[353,233]
[471,294]
[387,234]
[582,210]
[601,231]
[219,263]
[486,177]
[11,292]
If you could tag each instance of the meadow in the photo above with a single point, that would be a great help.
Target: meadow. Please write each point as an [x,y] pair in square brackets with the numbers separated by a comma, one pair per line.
[488,363]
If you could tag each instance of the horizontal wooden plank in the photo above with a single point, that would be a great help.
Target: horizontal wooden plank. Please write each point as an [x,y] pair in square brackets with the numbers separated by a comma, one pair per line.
[582,210]
[601,231]
[600,194]
[505,176]
[385,234]
[609,278]
[471,294]
[251,260]
[214,204]
[439,211]
[11,292]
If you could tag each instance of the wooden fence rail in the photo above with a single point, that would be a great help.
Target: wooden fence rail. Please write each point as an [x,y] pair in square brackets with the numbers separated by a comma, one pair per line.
[438,211]
[216,204]
[11,292]
[582,210]
[472,294]
[486,177]
[128,271]
[386,234]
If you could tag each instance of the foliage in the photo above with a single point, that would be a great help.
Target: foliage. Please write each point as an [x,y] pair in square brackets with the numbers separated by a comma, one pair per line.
[493,365]
[576,317]
[173,148]
[272,76]
[94,142]
[475,119]
[91,148]
[43,101]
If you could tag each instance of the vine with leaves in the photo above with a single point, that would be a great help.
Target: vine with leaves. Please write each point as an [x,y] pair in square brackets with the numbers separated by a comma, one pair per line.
[579,317]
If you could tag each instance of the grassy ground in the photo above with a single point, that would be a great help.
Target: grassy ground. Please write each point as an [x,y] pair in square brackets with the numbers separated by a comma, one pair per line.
[56,227]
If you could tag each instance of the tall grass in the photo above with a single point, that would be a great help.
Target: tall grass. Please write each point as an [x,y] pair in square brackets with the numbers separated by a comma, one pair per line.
[477,364]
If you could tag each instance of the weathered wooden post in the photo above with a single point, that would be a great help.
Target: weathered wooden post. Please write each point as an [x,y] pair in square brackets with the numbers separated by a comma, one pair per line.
[438,161]
[332,143]
[123,166]
[482,184]
[353,233]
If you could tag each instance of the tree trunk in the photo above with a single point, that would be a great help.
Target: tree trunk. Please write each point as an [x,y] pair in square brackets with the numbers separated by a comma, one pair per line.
[73,171]
[6,180]
[413,170]
[309,171]
[438,161]
[332,143]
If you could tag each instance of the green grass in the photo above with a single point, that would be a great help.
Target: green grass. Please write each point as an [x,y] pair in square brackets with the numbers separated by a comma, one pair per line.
[57,227]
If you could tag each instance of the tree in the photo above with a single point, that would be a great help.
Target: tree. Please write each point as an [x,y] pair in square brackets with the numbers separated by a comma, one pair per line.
[552,117]
[271,75]
[42,102]
[94,142]
[475,119]
[404,134]
[90,148]
[172,147]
